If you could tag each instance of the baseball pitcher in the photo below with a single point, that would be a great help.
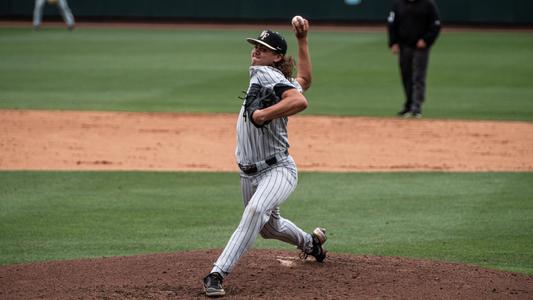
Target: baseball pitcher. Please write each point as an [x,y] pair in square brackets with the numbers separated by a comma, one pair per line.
[268,173]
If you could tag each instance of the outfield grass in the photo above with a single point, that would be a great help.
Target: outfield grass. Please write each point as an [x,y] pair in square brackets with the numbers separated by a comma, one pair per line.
[481,75]
[484,219]
[480,218]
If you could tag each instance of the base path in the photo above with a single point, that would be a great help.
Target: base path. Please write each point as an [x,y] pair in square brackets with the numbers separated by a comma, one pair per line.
[67,140]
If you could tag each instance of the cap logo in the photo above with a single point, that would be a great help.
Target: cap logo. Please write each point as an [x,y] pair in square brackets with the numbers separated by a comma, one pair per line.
[264,35]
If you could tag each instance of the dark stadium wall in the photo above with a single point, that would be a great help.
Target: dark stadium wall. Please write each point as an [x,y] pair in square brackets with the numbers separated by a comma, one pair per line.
[452,11]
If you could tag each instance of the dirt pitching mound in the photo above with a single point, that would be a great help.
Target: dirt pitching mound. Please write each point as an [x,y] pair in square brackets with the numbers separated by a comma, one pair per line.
[261,274]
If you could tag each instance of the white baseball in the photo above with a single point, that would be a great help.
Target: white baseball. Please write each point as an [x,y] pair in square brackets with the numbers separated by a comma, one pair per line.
[297,20]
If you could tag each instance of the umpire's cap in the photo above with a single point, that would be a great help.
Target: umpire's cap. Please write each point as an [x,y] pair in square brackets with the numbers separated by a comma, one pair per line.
[272,40]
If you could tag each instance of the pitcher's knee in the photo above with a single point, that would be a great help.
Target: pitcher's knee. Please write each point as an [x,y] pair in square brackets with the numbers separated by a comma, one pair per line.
[266,234]
[256,211]
[270,230]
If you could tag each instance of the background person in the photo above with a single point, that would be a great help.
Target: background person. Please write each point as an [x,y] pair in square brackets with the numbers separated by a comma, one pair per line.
[413,27]
[63,9]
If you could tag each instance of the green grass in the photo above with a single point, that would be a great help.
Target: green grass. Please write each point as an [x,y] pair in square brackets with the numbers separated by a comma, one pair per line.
[479,218]
[472,75]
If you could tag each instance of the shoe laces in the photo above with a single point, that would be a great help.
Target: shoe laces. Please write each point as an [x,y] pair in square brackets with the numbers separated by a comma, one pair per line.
[315,251]
[214,279]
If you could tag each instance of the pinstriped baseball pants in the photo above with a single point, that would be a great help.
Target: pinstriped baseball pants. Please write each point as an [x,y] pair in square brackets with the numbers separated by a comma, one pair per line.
[262,195]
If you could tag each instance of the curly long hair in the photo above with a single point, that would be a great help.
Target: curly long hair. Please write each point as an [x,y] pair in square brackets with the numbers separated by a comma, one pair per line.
[286,65]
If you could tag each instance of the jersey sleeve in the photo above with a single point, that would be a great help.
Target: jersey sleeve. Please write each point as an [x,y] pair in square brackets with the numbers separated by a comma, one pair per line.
[392,24]
[434,23]
[272,78]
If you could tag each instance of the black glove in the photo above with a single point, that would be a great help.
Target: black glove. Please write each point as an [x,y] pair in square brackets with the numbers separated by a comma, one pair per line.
[259,97]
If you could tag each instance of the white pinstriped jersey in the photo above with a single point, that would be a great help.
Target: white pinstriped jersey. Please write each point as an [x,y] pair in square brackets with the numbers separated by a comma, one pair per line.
[257,144]
[263,192]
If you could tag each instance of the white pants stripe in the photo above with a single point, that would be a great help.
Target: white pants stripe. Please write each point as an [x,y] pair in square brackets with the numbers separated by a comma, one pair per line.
[262,195]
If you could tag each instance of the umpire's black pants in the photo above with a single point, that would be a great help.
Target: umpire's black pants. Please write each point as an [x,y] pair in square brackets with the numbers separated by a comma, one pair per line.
[413,67]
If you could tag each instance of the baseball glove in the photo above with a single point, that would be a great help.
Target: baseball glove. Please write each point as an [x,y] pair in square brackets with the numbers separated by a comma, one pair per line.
[258,97]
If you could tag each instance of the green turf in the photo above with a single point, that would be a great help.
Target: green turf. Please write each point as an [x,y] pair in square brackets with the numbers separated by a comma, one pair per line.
[484,219]
[472,75]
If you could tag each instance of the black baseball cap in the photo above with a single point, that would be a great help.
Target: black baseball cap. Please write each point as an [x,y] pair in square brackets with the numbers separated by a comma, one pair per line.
[270,39]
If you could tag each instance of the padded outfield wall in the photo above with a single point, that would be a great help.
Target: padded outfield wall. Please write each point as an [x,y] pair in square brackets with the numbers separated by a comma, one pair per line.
[452,11]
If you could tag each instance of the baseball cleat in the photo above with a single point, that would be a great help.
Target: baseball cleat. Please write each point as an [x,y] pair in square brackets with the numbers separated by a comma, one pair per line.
[319,238]
[213,285]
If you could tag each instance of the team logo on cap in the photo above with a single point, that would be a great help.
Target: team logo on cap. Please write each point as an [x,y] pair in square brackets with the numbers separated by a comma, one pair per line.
[264,34]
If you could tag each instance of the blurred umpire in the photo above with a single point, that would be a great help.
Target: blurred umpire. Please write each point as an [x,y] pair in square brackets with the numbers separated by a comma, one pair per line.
[413,27]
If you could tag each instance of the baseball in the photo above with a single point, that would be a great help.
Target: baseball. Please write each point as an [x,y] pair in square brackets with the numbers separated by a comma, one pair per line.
[297,20]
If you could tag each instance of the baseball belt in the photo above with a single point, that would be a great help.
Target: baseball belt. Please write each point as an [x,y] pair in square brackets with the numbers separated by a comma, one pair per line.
[260,166]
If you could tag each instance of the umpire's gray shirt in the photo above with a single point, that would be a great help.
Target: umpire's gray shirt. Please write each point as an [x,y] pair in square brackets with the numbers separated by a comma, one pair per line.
[257,144]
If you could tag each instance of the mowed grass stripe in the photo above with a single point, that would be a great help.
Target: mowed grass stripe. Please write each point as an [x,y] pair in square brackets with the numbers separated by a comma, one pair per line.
[479,218]
[194,70]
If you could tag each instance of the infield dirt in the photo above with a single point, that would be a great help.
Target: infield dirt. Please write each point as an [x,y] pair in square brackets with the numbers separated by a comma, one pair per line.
[44,140]
[61,140]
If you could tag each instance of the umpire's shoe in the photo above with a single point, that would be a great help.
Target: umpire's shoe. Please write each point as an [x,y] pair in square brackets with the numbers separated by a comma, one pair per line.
[213,285]
[319,238]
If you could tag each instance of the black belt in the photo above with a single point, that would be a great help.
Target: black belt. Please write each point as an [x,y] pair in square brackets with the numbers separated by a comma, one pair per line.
[259,166]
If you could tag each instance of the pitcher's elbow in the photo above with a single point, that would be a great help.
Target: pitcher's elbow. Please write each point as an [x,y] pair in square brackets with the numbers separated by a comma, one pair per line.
[304,104]
[307,83]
